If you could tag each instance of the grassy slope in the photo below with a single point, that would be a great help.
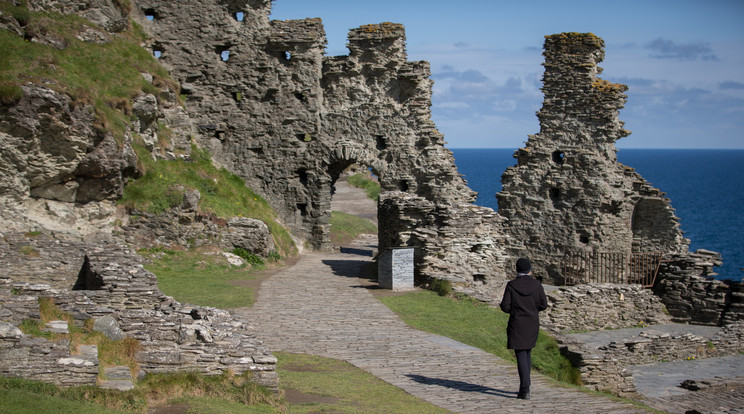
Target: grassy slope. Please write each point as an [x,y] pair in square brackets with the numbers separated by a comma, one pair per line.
[81,70]
[223,194]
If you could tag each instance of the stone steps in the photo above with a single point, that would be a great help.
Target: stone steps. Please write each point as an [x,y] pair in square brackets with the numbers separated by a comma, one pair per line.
[116,378]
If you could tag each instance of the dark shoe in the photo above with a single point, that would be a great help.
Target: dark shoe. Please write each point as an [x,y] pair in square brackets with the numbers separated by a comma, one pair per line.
[524,396]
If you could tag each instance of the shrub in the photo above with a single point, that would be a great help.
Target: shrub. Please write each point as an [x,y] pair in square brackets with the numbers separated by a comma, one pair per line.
[249,257]
[441,287]
[10,93]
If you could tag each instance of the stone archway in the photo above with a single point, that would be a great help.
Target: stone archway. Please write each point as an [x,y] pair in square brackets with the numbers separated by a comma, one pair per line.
[348,160]
[653,225]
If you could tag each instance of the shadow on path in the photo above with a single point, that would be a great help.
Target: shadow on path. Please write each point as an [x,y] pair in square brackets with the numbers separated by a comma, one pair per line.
[355,251]
[461,386]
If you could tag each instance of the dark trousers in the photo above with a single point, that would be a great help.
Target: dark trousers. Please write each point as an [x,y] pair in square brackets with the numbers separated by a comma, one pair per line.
[524,363]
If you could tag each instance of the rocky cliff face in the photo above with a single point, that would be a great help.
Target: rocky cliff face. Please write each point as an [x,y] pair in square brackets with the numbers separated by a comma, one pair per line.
[55,154]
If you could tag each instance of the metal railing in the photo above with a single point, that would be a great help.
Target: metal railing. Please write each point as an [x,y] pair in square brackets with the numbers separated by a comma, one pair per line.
[604,267]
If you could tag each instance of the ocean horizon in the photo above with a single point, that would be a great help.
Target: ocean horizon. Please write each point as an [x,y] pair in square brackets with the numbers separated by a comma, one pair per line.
[705,186]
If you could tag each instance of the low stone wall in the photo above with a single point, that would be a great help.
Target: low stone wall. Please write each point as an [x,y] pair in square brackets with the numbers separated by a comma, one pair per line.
[653,346]
[604,368]
[691,294]
[112,283]
[40,359]
[599,372]
[601,306]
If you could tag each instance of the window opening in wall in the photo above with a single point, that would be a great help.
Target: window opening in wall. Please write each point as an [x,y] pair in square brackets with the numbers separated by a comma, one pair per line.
[302,174]
[87,278]
[303,209]
[305,137]
[157,53]
[555,194]
[301,96]
[559,157]
[584,237]
[225,55]
[380,142]
[287,56]
[238,96]
[239,16]
[150,14]
[403,186]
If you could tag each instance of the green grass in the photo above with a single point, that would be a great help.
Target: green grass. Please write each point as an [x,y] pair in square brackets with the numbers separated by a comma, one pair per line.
[346,227]
[21,396]
[227,393]
[19,401]
[476,324]
[328,385]
[81,70]
[339,387]
[200,277]
[370,186]
[223,194]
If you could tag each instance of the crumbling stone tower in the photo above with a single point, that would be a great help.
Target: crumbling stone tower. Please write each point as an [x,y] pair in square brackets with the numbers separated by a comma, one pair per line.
[568,192]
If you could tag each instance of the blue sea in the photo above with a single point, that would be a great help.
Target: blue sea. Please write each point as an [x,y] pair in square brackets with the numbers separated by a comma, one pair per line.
[706,187]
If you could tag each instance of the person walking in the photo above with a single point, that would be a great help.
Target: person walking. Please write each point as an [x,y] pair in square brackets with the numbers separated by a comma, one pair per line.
[523,299]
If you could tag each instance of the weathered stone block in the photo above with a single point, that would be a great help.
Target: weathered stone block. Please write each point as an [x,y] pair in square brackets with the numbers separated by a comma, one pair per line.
[395,269]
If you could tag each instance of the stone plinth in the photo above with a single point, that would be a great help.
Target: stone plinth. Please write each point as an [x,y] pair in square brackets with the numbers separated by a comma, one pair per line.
[395,269]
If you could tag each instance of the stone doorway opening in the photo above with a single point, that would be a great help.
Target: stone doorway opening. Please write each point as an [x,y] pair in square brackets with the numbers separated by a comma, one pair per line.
[353,210]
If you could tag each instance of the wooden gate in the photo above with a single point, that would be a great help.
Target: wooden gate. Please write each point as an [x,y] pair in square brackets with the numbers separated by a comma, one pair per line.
[605,267]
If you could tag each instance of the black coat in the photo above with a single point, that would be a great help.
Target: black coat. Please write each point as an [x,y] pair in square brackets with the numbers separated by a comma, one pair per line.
[523,298]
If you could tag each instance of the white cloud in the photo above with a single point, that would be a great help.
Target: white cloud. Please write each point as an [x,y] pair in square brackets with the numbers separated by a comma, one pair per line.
[667,49]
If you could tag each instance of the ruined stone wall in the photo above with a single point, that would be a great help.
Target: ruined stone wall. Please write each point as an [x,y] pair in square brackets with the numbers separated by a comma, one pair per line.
[111,282]
[568,192]
[605,368]
[462,243]
[687,287]
[289,120]
[602,306]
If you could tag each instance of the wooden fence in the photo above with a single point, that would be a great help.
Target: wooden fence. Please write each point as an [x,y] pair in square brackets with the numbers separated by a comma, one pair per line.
[604,267]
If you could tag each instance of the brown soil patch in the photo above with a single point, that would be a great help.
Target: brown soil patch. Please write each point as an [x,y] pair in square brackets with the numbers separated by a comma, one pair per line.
[297,397]
[169,409]
[301,368]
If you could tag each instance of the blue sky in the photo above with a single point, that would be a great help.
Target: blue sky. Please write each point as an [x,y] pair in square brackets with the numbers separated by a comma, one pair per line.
[682,60]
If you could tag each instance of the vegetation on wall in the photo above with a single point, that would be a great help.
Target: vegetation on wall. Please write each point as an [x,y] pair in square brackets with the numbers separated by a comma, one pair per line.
[106,76]
[223,194]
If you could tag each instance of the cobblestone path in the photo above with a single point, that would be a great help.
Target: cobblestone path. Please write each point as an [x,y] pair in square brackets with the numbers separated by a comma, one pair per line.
[320,306]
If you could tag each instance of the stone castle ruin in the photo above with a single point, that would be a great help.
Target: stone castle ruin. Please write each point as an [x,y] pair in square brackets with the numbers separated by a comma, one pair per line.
[269,106]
